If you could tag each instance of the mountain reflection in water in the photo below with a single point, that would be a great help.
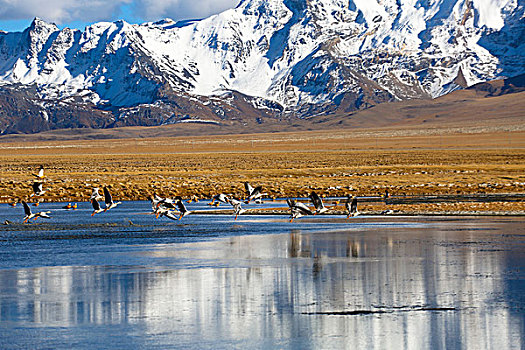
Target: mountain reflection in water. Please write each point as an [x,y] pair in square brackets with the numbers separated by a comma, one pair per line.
[441,283]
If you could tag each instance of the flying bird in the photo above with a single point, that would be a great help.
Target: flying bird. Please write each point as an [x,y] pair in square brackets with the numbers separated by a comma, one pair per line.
[95,195]
[237,207]
[318,203]
[157,202]
[297,209]
[37,189]
[96,207]
[163,206]
[164,211]
[168,203]
[109,200]
[351,206]
[168,214]
[154,200]
[220,198]
[181,207]
[34,216]
[253,193]
[160,211]
[40,174]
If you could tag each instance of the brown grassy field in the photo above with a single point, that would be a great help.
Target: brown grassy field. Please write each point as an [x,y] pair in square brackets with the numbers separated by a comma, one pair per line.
[334,163]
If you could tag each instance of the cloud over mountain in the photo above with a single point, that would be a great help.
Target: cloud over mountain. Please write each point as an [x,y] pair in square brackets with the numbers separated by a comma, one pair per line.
[64,11]
[60,11]
[180,9]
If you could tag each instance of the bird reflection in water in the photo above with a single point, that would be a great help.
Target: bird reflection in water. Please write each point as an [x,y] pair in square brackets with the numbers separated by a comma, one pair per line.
[352,248]
[300,245]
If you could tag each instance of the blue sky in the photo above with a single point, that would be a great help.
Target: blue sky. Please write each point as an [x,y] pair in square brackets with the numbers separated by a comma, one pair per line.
[16,15]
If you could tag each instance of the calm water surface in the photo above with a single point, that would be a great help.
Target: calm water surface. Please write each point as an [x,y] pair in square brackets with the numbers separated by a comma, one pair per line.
[125,280]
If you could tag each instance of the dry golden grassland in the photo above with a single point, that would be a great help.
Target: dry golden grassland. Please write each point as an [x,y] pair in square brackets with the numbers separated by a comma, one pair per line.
[333,163]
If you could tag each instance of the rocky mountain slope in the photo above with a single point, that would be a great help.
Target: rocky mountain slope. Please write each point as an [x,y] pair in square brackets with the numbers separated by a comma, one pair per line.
[265,60]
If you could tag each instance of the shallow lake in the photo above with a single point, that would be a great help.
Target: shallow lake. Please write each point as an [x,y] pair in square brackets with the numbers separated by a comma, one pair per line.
[125,280]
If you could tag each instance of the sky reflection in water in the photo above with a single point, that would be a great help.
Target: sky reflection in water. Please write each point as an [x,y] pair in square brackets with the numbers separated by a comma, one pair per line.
[212,282]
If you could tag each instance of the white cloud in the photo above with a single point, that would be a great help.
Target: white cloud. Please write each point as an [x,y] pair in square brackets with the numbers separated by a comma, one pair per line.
[64,11]
[152,10]
[61,11]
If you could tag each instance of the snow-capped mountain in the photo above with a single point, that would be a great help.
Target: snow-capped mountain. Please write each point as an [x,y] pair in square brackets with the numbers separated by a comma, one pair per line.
[265,58]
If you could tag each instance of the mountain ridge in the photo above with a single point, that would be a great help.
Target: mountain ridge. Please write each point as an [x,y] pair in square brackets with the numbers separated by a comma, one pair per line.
[495,106]
[279,59]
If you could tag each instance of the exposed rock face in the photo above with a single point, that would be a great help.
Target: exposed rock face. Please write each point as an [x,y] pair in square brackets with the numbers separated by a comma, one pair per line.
[264,59]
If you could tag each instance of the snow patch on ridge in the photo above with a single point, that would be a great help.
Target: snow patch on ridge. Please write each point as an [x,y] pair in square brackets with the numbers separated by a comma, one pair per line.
[294,53]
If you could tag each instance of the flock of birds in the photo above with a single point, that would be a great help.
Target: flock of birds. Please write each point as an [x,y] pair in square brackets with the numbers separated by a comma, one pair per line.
[168,207]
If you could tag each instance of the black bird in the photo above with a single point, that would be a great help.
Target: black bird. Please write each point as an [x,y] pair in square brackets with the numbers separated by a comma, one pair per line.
[237,207]
[220,198]
[109,200]
[181,207]
[37,189]
[169,215]
[34,216]
[96,207]
[163,206]
[40,174]
[252,193]
[95,194]
[351,206]
[168,203]
[318,203]
[297,209]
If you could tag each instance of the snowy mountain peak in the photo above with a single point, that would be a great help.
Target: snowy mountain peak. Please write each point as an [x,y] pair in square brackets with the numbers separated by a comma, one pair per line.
[38,23]
[302,56]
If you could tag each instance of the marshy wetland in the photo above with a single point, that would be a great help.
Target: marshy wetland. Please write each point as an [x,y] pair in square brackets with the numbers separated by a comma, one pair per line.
[332,163]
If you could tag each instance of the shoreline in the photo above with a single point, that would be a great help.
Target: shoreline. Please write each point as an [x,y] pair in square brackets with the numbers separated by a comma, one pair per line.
[500,204]
[256,212]
[366,211]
